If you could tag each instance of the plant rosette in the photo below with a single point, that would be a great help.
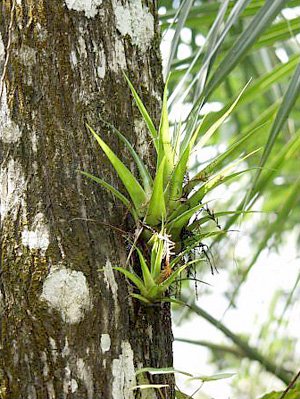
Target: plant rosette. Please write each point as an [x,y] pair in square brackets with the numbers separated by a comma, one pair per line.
[168,199]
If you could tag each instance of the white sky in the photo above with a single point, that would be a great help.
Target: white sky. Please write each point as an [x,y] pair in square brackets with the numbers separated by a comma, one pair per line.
[271,272]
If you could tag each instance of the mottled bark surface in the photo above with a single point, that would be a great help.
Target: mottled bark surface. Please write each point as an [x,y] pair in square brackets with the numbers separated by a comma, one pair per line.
[68,330]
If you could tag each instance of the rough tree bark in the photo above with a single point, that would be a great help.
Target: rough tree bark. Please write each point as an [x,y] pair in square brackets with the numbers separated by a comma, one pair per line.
[68,330]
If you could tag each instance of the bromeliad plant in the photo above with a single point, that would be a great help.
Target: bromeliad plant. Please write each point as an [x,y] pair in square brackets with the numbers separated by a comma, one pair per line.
[168,199]
[156,280]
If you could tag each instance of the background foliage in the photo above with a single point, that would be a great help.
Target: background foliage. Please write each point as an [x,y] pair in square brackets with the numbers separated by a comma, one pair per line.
[212,49]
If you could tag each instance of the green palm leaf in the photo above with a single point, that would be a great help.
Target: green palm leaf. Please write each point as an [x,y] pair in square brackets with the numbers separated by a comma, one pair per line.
[256,27]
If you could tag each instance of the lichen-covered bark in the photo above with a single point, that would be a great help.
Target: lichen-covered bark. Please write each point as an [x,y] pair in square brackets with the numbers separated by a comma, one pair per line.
[69,330]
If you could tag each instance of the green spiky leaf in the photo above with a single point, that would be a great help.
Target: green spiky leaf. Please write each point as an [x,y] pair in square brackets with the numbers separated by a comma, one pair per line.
[114,191]
[156,206]
[132,277]
[144,113]
[133,187]
[144,173]
[165,146]
[147,276]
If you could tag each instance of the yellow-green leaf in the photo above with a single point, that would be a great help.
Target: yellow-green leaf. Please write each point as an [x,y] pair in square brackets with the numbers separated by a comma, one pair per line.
[133,187]
[117,193]
[157,207]
[144,113]
[165,146]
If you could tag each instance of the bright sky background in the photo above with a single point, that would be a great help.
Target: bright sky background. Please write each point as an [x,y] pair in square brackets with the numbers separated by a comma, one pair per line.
[271,272]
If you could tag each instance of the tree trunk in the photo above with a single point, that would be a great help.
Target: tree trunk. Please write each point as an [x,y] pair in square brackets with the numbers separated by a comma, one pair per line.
[68,329]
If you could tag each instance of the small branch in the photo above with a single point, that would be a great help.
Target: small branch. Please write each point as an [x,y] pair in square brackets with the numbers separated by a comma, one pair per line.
[215,347]
[250,352]
[290,386]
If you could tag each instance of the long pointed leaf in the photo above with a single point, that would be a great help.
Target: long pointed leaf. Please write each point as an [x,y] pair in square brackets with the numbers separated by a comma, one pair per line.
[256,27]
[288,102]
[135,191]
[211,52]
[286,153]
[254,128]
[282,114]
[215,181]
[156,257]
[165,146]
[184,12]
[145,175]
[177,180]
[132,277]
[166,284]
[147,277]
[157,207]
[114,191]
[218,123]
[208,218]
[254,91]
[144,113]
[176,225]
[179,172]
[141,298]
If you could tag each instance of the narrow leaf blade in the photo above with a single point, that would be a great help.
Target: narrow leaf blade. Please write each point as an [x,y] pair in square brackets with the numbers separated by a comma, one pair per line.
[114,191]
[157,207]
[143,112]
[165,140]
[144,173]
[135,191]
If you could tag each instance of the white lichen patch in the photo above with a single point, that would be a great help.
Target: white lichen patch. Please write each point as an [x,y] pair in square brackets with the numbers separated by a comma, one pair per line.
[118,56]
[100,60]
[73,58]
[66,349]
[38,236]
[67,380]
[9,130]
[26,55]
[74,385]
[53,348]
[34,142]
[150,332]
[50,390]
[109,279]
[89,7]
[46,367]
[15,351]
[12,186]
[67,291]
[2,50]
[49,384]
[40,32]
[31,392]
[82,47]
[123,373]
[85,374]
[136,21]
[105,342]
